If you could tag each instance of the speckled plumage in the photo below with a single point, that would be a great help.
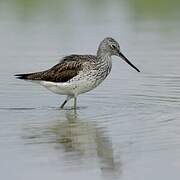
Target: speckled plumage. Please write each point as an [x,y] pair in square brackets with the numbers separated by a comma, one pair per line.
[77,74]
[65,70]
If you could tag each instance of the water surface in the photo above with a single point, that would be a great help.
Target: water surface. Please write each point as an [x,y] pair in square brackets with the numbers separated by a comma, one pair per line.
[127,128]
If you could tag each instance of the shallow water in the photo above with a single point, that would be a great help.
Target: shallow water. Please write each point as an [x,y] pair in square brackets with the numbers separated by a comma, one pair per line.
[127,128]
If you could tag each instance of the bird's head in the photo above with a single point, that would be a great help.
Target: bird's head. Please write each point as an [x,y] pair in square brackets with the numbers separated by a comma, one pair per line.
[111,47]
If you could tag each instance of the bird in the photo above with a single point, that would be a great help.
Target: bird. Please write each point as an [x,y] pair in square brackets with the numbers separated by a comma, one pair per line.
[76,74]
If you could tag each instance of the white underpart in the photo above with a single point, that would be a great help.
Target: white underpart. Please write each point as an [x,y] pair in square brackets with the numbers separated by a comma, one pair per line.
[83,82]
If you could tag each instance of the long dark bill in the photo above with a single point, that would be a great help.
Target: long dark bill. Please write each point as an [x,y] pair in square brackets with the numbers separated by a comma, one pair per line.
[125,59]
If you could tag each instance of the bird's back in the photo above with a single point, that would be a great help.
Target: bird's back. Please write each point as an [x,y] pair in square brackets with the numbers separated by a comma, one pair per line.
[66,69]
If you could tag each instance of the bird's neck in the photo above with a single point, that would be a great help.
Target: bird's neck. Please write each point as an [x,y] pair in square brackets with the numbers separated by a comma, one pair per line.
[103,56]
[105,62]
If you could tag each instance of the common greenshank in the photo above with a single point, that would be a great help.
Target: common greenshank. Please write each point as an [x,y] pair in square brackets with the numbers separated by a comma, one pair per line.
[77,74]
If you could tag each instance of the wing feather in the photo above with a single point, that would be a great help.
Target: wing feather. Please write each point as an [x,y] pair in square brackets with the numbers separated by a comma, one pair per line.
[68,67]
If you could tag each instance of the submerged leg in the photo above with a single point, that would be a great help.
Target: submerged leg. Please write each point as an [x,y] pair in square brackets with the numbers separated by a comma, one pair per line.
[63,104]
[66,100]
[75,102]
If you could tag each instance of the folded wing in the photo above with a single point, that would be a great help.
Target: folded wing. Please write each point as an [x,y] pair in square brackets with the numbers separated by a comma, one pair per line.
[68,68]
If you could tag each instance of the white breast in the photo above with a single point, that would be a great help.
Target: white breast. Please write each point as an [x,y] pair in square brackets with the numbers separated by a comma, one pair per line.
[83,82]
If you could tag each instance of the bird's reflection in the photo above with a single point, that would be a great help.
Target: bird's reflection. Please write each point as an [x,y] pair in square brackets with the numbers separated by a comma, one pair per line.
[80,139]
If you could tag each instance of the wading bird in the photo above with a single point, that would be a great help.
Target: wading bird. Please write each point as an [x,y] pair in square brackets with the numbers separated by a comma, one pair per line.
[77,74]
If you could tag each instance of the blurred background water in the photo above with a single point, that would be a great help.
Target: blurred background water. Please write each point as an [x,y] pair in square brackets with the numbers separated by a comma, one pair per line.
[128,128]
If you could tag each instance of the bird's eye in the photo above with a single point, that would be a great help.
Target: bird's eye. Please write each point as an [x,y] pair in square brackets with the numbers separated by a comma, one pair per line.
[113,46]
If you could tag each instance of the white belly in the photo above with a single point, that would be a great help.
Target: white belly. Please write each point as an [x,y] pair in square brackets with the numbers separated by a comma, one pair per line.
[79,84]
[70,88]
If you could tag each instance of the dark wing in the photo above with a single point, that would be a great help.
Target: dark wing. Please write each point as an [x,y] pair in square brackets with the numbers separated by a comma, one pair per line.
[61,72]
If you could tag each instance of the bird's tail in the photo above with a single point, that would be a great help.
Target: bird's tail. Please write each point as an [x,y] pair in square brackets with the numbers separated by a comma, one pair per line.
[30,76]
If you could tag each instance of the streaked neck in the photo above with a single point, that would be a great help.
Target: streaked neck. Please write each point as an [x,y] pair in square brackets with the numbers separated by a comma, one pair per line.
[103,55]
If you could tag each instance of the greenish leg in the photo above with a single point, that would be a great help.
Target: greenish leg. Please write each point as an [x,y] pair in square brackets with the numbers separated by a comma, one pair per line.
[66,100]
[63,104]
[75,102]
